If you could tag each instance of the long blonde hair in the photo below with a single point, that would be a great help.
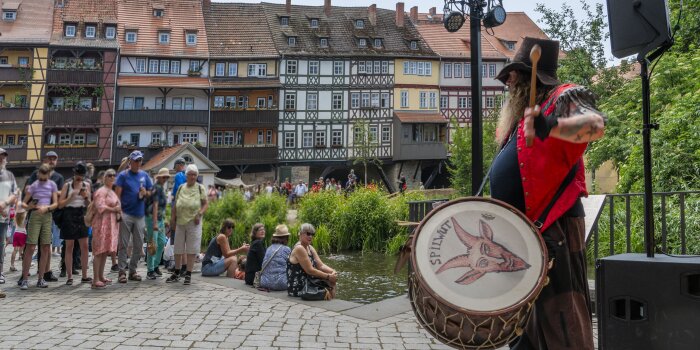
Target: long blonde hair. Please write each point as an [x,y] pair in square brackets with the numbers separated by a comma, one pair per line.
[517,101]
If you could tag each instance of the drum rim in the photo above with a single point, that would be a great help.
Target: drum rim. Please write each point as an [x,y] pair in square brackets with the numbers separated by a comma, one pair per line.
[530,297]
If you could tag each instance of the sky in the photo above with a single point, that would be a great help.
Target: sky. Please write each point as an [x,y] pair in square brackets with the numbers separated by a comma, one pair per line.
[527,6]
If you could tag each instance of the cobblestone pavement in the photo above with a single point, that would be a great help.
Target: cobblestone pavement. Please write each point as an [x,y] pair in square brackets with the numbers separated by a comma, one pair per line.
[156,315]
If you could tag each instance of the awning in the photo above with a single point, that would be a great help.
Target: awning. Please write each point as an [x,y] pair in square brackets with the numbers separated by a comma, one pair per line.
[173,82]
[420,117]
[236,183]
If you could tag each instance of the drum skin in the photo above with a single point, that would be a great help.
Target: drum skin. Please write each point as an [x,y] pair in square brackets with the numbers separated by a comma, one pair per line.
[462,326]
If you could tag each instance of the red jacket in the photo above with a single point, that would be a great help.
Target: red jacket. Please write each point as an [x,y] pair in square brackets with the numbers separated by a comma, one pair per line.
[544,166]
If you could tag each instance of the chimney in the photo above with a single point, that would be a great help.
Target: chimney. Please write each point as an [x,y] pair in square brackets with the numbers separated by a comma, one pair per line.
[327,8]
[399,14]
[206,4]
[373,14]
[433,11]
[414,13]
[288,7]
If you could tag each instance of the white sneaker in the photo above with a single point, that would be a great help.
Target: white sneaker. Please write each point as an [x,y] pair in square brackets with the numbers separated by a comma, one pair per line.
[42,284]
[24,285]
[2,278]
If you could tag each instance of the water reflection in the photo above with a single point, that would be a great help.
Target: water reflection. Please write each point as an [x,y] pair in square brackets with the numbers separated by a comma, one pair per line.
[366,277]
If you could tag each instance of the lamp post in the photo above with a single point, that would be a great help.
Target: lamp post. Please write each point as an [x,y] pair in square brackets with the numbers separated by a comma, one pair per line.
[455,12]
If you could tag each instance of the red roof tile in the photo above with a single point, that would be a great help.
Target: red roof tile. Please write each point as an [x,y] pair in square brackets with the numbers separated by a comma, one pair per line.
[454,45]
[33,23]
[98,12]
[159,158]
[420,117]
[179,17]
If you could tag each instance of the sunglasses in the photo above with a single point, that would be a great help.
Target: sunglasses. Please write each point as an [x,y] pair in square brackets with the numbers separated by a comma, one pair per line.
[111,175]
[310,234]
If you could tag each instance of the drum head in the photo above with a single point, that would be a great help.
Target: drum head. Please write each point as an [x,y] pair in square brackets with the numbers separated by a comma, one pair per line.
[480,255]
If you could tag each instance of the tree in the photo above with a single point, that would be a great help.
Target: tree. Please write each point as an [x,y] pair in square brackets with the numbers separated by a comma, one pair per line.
[460,167]
[365,147]
[581,40]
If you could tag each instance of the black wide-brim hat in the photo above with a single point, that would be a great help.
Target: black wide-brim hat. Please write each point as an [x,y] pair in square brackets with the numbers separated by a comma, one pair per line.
[546,66]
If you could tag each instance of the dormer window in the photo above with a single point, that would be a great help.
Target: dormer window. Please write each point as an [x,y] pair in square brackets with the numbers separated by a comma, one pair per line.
[359,24]
[414,45]
[90,31]
[292,41]
[163,37]
[70,30]
[323,42]
[314,23]
[158,13]
[284,21]
[9,15]
[510,45]
[131,36]
[377,43]
[191,38]
[362,42]
[110,32]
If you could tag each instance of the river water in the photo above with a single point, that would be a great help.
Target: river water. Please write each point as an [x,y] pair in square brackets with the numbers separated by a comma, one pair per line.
[366,277]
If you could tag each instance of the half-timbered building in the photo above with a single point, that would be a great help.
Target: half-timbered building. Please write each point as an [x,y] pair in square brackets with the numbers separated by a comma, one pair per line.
[337,70]
[244,99]
[163,84]
[81,81]
[25,31]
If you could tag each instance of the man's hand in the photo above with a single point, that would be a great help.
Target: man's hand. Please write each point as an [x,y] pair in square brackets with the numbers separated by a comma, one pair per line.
[529,128]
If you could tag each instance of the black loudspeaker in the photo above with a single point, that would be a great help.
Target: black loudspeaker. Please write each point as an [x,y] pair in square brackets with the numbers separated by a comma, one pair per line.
[648,303]
[638,26]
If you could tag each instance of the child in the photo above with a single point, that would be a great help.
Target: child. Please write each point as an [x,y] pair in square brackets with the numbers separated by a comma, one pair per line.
[239,274]
[19,238]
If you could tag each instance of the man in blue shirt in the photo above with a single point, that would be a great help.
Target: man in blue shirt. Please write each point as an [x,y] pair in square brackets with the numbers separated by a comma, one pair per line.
[133,185]
[179,180]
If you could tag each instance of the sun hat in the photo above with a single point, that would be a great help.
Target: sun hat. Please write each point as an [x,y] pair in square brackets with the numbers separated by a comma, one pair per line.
[281,231]
[80,168]
[546,66]
[163,172]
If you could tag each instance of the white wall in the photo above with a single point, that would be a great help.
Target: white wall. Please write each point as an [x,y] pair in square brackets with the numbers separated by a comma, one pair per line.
[127,65]
[489,80]
[146,132]
[201,100]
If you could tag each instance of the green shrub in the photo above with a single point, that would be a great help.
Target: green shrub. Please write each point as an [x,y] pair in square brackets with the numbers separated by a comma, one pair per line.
[322,240]
[365,222]
[231,205]
[319,208]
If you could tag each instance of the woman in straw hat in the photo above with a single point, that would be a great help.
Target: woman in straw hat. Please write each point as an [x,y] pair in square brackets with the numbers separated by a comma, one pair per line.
[273,275]
[155,223]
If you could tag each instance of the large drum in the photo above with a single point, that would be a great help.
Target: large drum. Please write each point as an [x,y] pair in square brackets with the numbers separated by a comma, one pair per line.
[477,266]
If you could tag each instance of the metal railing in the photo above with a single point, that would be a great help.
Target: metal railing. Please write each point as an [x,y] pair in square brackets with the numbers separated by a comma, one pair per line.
[670,223]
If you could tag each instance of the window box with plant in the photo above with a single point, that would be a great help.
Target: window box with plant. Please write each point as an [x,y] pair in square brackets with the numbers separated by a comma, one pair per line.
[194,72]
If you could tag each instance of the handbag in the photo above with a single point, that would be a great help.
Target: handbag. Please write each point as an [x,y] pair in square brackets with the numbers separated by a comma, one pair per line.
[89,214]
[314,289]
[258,274]
[151,248]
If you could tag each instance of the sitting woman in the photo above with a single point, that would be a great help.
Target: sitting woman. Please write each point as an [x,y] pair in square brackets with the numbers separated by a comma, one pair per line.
[219,256]
[304,262]
[274,268]
[256,253]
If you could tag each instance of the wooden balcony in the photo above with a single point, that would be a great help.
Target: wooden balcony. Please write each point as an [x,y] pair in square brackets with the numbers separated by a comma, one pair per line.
[71,118]
[244,119]
[16,153]
[243,155]
[420,150]
[162,117]
[10,74]
[14,115]
[74,77]
[75,153]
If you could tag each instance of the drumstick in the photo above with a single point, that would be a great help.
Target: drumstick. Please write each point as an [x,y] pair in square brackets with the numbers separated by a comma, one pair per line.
[535,54]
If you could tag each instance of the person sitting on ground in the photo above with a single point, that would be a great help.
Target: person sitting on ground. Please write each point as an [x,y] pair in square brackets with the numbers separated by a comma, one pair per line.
[274,267]
[239,274]
[219,256]
[256,253]
[304,261]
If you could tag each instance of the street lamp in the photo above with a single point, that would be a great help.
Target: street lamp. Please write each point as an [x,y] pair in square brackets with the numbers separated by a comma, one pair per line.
[456,12]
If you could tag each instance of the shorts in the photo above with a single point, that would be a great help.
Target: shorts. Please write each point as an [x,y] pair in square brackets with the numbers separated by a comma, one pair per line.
[19,239]
[39,228]
[214,268]
[188,239]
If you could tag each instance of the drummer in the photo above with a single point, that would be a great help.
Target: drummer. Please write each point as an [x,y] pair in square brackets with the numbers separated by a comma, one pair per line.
[529,177]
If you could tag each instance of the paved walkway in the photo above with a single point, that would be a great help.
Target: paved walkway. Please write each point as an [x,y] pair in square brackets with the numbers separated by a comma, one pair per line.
[211,313]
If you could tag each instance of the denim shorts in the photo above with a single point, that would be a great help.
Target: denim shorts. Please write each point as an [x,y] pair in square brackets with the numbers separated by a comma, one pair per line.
[214,269]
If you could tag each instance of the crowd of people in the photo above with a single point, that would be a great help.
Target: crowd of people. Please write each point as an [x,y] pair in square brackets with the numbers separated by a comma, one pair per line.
[113,215]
